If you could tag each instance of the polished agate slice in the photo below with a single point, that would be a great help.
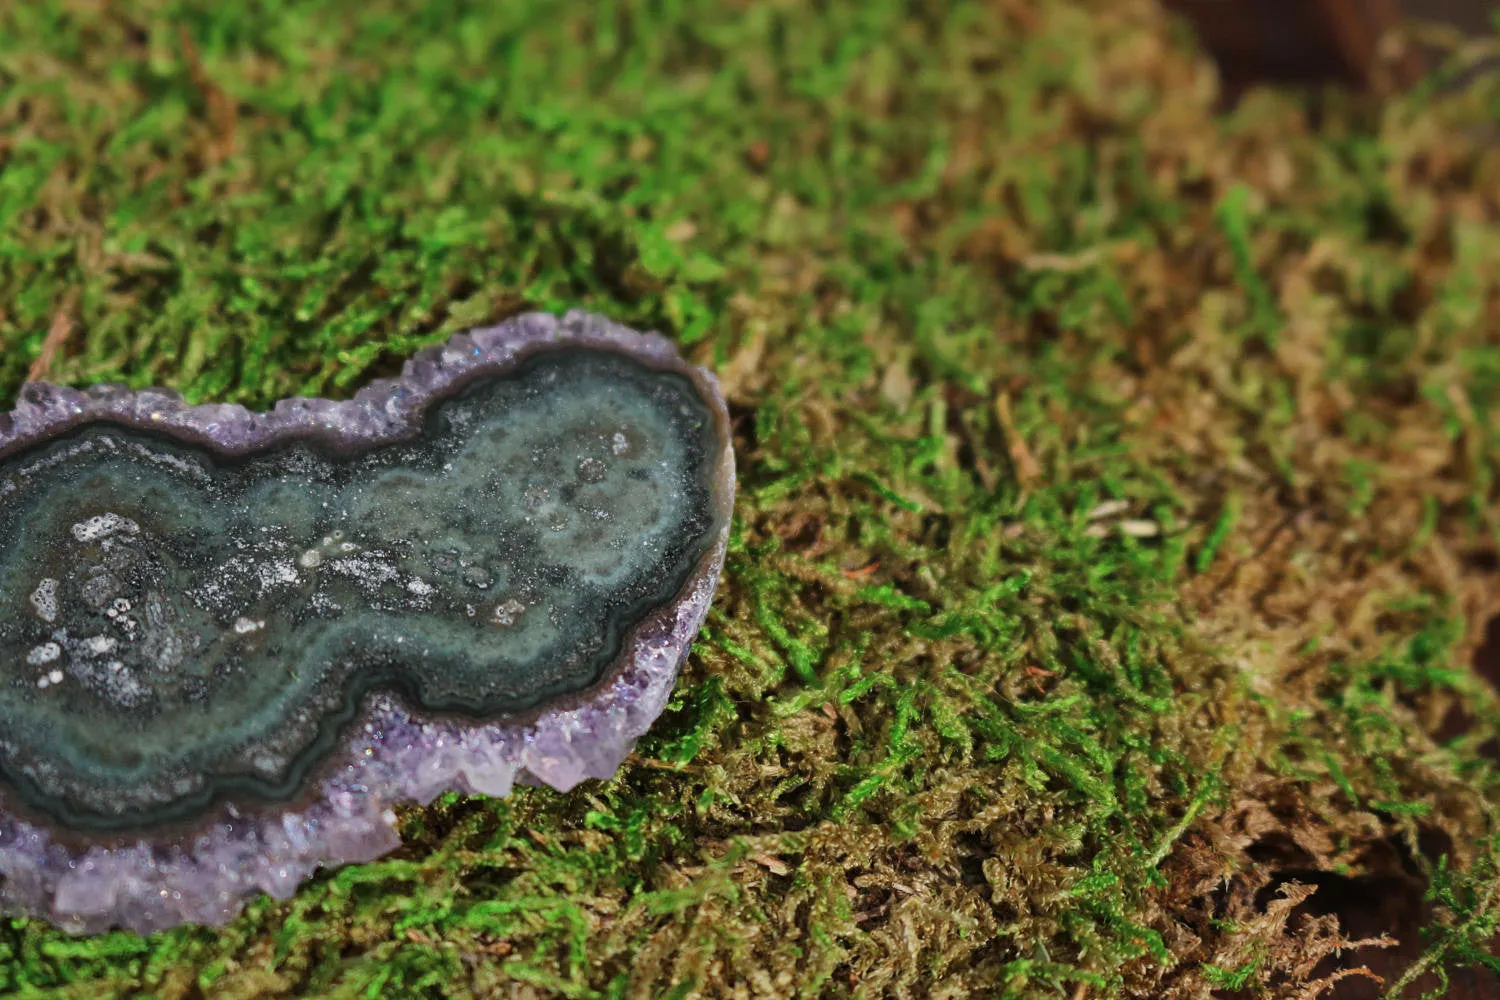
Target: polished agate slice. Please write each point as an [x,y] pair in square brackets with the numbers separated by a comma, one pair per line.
[230,642]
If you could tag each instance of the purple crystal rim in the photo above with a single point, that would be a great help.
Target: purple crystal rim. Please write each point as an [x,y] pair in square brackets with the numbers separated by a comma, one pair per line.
[205,873]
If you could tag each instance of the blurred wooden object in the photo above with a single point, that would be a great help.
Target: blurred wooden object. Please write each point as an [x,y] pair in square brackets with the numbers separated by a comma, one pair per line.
[1303,41]
[1473,17]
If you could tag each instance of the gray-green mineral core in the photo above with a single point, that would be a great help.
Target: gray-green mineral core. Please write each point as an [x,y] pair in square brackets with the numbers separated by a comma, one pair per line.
[214,624]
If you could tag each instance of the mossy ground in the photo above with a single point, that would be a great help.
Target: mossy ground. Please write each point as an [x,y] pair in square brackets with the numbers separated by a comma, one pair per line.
[1117,520]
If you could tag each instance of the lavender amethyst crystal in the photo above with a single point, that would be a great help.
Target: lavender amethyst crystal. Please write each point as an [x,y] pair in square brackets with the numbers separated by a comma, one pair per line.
[230,642]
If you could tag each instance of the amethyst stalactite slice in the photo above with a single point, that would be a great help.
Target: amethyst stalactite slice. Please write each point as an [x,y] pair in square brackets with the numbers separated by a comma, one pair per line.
[230,642]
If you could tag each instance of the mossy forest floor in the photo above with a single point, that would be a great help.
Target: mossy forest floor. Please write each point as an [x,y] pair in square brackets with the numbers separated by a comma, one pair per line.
[1118,519]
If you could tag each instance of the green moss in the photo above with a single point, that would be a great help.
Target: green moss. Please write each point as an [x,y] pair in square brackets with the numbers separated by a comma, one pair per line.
[1116,473]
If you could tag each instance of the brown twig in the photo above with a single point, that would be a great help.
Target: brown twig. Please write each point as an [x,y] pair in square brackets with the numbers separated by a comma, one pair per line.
[1025,464]
[57,336]
[223,116]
